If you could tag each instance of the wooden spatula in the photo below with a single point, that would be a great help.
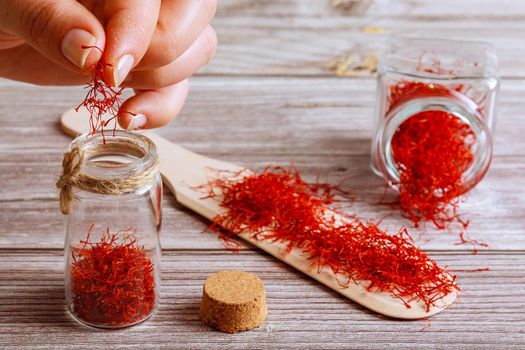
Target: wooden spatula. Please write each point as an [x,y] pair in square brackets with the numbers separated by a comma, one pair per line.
[182,170]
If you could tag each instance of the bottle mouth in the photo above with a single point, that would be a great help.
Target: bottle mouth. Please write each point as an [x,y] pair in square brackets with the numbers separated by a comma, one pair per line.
[462,108]
[115,154]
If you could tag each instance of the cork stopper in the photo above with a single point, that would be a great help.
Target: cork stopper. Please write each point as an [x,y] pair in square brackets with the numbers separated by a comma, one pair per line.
[233,301]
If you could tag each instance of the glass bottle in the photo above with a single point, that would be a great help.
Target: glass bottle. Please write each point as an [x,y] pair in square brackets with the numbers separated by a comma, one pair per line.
[112,248]
[462,80]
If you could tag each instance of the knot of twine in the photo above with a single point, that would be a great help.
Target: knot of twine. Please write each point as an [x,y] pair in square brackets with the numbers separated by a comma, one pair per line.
[72,176]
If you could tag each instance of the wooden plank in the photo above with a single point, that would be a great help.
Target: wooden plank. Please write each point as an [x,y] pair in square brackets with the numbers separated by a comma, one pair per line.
[406,9]
[252,34]
[321,123]
[325,134]
[236,114]
[317,32]
[495,208]
[302,313]
[313,42]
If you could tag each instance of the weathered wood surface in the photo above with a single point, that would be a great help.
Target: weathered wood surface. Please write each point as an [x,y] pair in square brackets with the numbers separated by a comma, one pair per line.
[299,37]
[302,314]
[325,134]
[268,97]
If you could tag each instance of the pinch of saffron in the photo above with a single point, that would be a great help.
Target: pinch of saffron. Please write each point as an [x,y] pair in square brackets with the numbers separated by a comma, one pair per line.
[112,281]
[102,101]
[278,206]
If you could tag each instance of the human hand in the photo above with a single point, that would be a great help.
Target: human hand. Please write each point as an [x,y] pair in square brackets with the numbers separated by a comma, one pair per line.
[152,46]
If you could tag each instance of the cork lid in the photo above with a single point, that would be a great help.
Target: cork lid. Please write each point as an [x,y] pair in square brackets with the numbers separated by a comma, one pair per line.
[233,301]
[233,287]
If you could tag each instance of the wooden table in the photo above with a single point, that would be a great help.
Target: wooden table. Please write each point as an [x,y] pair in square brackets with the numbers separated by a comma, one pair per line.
[273,95]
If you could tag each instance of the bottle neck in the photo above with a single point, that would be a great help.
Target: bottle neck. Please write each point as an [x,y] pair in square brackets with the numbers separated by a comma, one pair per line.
[116,156]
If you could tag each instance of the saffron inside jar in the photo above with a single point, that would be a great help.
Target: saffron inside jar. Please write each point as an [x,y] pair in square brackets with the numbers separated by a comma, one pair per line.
[112,281]
[278,206]
[432,151]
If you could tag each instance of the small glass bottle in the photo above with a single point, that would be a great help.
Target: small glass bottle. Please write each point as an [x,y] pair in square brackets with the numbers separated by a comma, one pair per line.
[112,248]
[459,78]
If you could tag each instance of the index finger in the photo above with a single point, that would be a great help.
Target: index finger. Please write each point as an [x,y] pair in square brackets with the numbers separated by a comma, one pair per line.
[130,24]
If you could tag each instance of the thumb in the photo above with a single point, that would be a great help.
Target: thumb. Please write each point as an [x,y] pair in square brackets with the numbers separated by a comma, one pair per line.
[57,29]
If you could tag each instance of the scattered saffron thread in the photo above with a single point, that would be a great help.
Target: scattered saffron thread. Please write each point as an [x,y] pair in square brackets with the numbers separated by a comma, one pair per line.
[464,239]
[112,281]
[405,90]
[482,269]
[430,63]
[426,325]
[278,206]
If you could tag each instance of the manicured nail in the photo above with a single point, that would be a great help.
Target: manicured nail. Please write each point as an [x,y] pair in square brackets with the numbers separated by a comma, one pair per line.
[137,121]
[72,46]
[123,67]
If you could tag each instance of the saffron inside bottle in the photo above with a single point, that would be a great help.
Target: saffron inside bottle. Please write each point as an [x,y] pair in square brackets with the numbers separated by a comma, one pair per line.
[435,116]
[112,248]
[112,280]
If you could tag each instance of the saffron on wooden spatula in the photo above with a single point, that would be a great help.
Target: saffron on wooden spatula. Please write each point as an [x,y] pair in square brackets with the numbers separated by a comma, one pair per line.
[277,205]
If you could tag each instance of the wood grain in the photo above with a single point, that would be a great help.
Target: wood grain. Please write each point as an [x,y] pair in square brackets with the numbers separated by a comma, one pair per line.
[475,11]
[326,134]
[302,313]
[268,97]
[314,32]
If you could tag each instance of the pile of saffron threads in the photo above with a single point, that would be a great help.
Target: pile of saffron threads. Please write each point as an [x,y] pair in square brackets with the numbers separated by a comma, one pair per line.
[102,101]
[112,281]
[432,150]
[278,206]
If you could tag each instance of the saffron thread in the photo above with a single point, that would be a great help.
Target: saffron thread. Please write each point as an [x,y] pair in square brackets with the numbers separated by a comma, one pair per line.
[277,205]
[112,280]
[102,101]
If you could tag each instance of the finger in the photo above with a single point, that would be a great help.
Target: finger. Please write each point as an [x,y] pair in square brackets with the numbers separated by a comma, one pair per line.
[179,25]
[9,40]
[130,26]
[183,67]
[153,108]
[24,63]
[57,29]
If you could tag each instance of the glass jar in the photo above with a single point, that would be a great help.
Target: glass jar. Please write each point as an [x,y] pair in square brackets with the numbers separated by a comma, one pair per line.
[459,78]
[112,248]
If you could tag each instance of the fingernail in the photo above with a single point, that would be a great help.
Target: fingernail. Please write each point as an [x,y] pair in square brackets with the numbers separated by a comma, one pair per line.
[137,121]
[72,46]
[122,69]
[128,78]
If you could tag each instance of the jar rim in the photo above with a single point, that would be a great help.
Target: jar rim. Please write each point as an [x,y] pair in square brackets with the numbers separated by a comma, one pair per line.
[140,151]
[465,112]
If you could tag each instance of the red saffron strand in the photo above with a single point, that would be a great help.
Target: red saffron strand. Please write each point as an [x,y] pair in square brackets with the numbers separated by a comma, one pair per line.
[406,90]
[481,269]
[426,325]
[278,206]
[112,281]
[432,149]
[101,99]
[464,239]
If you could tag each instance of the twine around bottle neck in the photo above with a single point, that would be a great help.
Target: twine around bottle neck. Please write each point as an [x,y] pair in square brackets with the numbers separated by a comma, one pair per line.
[73,176]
